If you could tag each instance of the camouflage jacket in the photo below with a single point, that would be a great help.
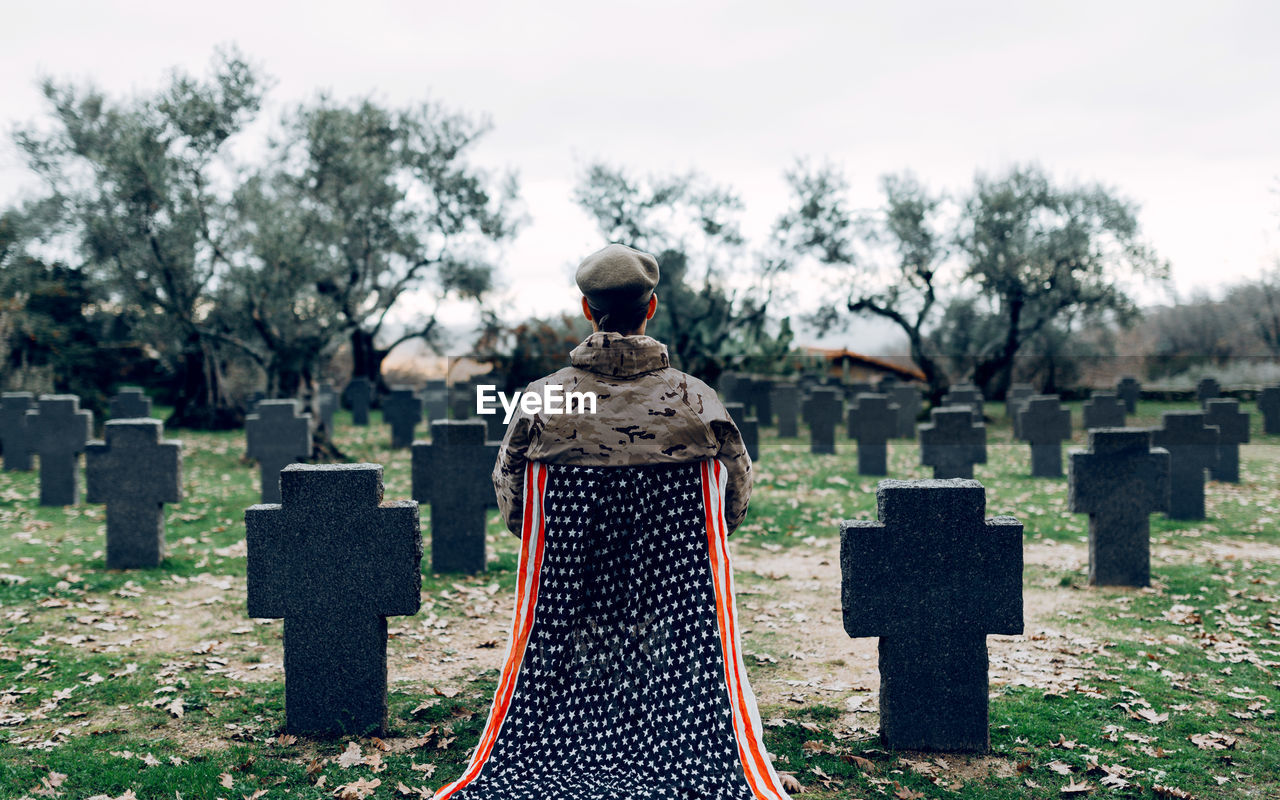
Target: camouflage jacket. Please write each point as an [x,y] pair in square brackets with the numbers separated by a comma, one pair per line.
[646,413]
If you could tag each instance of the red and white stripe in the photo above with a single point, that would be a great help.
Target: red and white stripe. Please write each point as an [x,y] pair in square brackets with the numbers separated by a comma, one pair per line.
[761,778]
[530,568]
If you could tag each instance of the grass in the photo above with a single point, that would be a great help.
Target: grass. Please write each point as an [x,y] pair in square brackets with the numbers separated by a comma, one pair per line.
[155,681]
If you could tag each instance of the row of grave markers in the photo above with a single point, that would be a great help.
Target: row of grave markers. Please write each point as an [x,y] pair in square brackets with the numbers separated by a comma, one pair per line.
[933,663]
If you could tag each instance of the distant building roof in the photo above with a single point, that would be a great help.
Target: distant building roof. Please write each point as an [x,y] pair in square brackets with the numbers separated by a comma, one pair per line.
[839,356]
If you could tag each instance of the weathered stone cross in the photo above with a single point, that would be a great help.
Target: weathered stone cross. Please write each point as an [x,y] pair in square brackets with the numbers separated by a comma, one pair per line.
[1119,483]
[359,396]
[749,427]
[135,474]
[1233,431]
[822,411]
[1193,448]
[1103,410]
[951,443]
[453,473]
[402,410]
[59,431]
[873,420]
[277,436]
[932,579]
[1269,405]
[1044,424]
[130,403]
[15,430]
[334,561]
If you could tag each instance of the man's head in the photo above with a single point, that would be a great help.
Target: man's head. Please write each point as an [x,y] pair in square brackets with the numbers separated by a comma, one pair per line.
[617,289]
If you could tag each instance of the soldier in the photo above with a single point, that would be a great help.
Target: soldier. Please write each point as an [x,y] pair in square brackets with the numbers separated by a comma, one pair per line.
[630,667]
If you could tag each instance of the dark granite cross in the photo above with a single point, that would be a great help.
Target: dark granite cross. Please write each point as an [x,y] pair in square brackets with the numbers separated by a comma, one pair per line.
[852,390]
[334,561]
[453,473]
[1269,406]
[1207,389]
[951,443]
[15,430]
[324,404]
[1015,401]
[1119,483]
[435,397]
[402,410]
[59,431]
[277,436]
[1103,410]
[130,403]
[1128,388]
[1233,431]
[134,473]
[359,397]
[749,427]
[907,398]
[873,420]
[1193,448]
[823,411]
[762,401]
[965,394]
[1045,424]
[785,400]
[932,579]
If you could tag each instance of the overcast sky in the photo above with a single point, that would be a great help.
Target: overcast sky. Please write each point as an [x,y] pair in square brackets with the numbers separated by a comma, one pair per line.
[1173,104]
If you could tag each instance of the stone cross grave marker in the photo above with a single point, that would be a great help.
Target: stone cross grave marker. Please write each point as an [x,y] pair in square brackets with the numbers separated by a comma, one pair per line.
[785,400]
[324,405]
[1193,448]
[359,396]
[965,394]
[130,403]
[872,421]
[852,390]
[59,431]
[436,399]
[762,401]
[134,473]
[749,427]
[1103,410]
[277,436]
[334,562]
[1044,424]
[886,383]
[402,410]
[932,578]
[1233,431]
[1207,389]
[453,473]
[462,400]
[15,430]
[952,443]
[728,385]
[1128,388]
[1269,406]
[822,411]
[907,398]
[1119,482]
[1015,401]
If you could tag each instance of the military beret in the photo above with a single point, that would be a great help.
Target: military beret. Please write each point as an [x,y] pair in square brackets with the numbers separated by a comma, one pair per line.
[617,277]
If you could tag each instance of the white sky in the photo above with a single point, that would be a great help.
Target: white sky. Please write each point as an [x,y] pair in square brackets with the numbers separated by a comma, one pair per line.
[1173,104]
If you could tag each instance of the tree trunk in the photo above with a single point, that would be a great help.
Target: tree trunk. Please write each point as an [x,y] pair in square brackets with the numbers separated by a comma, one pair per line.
[199,402]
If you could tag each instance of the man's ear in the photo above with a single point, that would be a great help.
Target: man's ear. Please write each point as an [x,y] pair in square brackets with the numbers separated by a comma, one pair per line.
[653,306]
[586,310]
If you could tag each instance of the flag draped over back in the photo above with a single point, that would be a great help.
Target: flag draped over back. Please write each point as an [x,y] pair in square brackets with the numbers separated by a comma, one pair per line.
[624,676]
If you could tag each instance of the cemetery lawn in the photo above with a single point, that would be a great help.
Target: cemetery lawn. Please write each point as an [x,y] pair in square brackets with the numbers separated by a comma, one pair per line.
[155,682]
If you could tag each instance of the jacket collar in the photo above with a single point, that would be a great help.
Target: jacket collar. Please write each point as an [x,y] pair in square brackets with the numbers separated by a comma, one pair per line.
[618,356]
